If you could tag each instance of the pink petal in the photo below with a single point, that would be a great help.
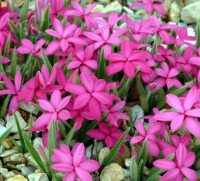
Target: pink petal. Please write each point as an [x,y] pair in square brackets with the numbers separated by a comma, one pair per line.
[136,139]
[114,68]
[190,99]
[77,6]
[103,97]
[152,147]
[53,33]
[193,113]
[171,175]
[190,159]
[78,154]
[140,128]
[83,175]
[64,115]
[128,70]
[53,47]
[8,83]
[73,65]
[70,177]
[118,106]
[81,101]
[177,123]
[13,105]
[39,44]
[87,81]
[165,116]
[95,133]
[193,126]
[55,98]
[69,30]
[58,26]
[164,164]
[45,105]
[62,167]
[64,102]
[195,61]
[23,50]
[18,80]
[174,102]
[89,165]
[27,43]
[190,174]
[75,88]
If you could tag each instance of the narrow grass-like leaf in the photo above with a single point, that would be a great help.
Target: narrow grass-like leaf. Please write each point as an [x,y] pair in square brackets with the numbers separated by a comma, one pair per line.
[101,73]
[7,47]
[69,136]
[141,170]
[134,169]
[24,11]
[198,34]
[14,30]
[14,63]
[21,136]
[45,19]
[143,152]
[115,149]
[46,60]
[26,65]
[51,138]
[123,92]
[35,155]
[4,135]
[154,174]
[5,106]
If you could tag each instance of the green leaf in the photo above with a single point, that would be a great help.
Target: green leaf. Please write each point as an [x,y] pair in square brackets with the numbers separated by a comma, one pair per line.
[45,19]
[143,152]
[5,106]
[101,73]
[70,135]
[115,149]
[27,64]
[154,174]
[35,154]
[21,136]
[14,63]
[7,47]
[141,170]
[198,34]
[155,45]
[46,60]
[51,138]
[4,135]
[24,11]
[134,169]
[14,30]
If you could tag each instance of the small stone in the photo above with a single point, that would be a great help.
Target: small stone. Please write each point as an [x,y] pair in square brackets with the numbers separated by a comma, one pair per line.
[7,153]
[1,165]
[17,178]
[128,162]
[30,159]
[20,166]
[16,158]
[104,152]
[37,142]
[38,177]
[10,166]
[6,174]
[112,172]
[166,5]
[8,143]
[27,170]
[29,108]
[190,13]
[113,7]
[121,157]
[174,12]
[1,148]
[1,177]
[12,123]
[137,113]
[2,130]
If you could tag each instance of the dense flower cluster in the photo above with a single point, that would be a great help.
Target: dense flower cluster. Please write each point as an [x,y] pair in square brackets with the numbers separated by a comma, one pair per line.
[78,65]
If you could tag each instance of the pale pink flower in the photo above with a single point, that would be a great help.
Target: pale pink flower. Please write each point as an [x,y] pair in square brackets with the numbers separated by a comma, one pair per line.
[83,59]
[168,149]
[65,36]
[109,134]
[105,39]
[128,60]
[91,93]
[55,110]
[150,6]
[179,168]
[12,89]
[166,77]
[149,135]
[73,163]
[28,47]
[182,113]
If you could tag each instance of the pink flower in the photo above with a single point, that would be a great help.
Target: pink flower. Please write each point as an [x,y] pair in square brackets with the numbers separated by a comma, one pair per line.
[91,19]
[12,89]
[3,31]
[65,35]
[149,135]
[168,149]
[104,39]
[73,163]
[28,47]
[128,60]
[195,59]
[165,54]
[178,169]
[4,10]
[54,110]
[5,60]
[91,93]
[108,134]
[167,77]
[83,59]
[114,114]
[182,112]
[150,6]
